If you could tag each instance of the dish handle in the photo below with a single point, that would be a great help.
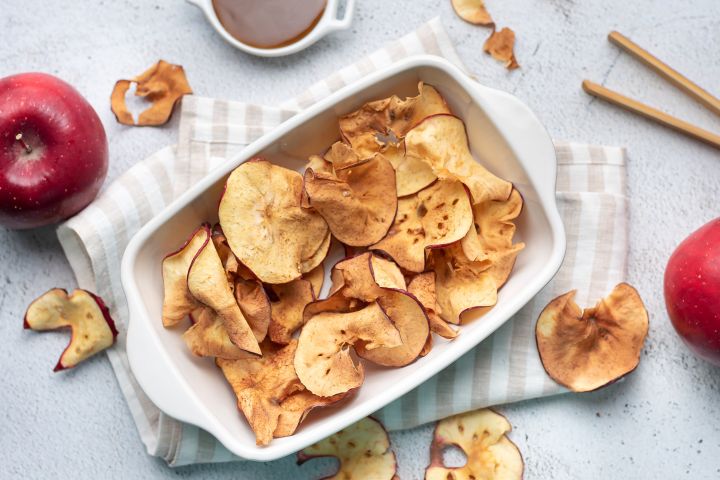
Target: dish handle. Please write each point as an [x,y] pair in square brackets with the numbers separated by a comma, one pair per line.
[344,22]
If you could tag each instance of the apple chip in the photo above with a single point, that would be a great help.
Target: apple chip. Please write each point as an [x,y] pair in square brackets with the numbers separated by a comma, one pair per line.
[207,337]
[422,286]
[323,361]
[319,164]
[254,305]
[434,217]
[362,276]
[493,227]
[340,156]
[316,277]
[584,350]
[287,311]
[310,263]
[366,129]
[442,142]
[482,436]
[501,46]
[412,174]
[295,408]
[472,11]
[265,225]
[163,85]
[358,202]
[363,450]
[177,300]
[208,284]
[227,257]
[408,316]
[93,330]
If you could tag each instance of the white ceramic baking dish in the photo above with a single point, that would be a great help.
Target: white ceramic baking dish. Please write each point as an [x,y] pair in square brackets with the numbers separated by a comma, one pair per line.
[504,135]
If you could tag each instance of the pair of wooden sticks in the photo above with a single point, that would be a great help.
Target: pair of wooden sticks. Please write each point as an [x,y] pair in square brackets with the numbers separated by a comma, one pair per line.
[679,80]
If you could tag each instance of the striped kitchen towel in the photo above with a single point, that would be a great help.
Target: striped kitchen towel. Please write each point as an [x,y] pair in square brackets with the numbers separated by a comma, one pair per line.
[504,368]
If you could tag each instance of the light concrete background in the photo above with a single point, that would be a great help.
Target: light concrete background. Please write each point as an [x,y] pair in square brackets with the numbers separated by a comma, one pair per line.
[663,422]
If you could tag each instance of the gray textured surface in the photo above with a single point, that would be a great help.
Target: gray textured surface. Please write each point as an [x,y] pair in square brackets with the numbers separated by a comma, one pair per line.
[660,423]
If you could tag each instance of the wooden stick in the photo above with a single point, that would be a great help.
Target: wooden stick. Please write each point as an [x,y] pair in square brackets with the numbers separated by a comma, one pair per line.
[652,113]
[680,81]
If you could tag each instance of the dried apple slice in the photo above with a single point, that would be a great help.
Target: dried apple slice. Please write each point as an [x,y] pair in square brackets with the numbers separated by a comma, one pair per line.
[323,361]
[265,225]
[287,311]
[422,286]
[254,305]
[482,436]
[412,174]
[472,11]
[227,257]
[93,330]
[358,202]
[319,164]
[442,142]
[501,46]
[310,263]
[362,276]
[493,228]
[408,316]
[208,283]
[207,337]
[340,155]
[177,300]
[316,277]
[392,116]
[295,408]
[363,450]
[584,350]
[434,217]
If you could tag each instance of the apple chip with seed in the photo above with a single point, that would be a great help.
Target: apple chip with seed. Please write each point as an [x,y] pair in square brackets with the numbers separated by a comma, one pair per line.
[323,361]
[85,314]
[207,337]
[442,142]
[208,284]
[482,436]
[472,11]
[358,202]
[422,286]
[501,46]
[584,350]
[434,217]
[366,128]
[287,310]
[178,302]
[363,450]
[265,225]
[412,174]
[163,85]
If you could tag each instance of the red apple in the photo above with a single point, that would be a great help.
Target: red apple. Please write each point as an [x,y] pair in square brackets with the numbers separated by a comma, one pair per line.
[53,151]
[692,291]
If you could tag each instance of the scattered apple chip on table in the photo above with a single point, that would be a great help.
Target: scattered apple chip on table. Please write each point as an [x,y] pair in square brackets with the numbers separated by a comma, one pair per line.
[481,435]
[363,450]
[93,330]
[501,46]
[163,85]
[584,350]
[472,11]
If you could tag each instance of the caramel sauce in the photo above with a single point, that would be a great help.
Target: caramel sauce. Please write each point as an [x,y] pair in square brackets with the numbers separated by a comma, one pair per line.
[269,23]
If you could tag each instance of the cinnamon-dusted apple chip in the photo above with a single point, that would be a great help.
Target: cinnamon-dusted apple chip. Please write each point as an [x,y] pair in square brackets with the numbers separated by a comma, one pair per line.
[254,305]
[501,46]
[341,155]
[310,263]
[207,337]
[422,286]
[177,300]
[412,174]
[442,142]
[493,227]
[365,128]
[227,257]
[84,313]
[482,436]
[362,276]
[287,310]
[208,283]
[323,361]
[295,408]
[584,350]
[265,225]
[363,450]
[319,164]
[472,11]
[434,217]
[316,277]
[163,85]
[358,202]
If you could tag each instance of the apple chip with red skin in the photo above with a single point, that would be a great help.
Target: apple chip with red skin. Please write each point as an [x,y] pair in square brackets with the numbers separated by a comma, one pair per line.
[434,217]
[323,361]
[363,450]
[422,286]
[584,350]
[472,11]
[412,174]
[229,261]
[295,408]
[362,276]
[287,310]
[265,225]
[363,129]
[482,436]
[358,202]
[93,330]
[208,283]
[207,337]
[178,302]
[442,142]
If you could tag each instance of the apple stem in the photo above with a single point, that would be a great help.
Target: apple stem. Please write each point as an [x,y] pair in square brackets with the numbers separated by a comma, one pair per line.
[27,147]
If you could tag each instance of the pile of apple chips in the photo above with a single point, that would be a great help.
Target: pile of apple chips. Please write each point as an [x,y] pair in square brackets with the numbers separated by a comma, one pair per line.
[429,237]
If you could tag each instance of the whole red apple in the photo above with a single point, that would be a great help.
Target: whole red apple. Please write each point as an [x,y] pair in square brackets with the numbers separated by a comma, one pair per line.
[692,291]
[53,151]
